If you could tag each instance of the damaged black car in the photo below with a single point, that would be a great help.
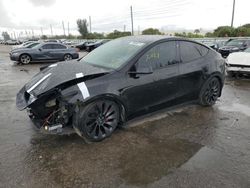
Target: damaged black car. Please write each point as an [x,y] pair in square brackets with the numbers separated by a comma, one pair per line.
[119,80]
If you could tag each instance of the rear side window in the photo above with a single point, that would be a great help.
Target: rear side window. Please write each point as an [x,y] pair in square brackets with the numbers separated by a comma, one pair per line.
[58,46]
[161,55]
[191,51]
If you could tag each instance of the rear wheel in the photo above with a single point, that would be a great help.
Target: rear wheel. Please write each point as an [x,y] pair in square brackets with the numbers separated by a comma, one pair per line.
[210,92]
[25,59]
[67,57]
[97,120]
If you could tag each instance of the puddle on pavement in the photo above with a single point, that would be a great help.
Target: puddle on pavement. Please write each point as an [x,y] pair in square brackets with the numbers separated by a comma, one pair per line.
[237,108]
[147,164]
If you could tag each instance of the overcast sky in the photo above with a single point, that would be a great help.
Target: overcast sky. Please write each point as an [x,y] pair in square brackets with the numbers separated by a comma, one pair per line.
[107,15]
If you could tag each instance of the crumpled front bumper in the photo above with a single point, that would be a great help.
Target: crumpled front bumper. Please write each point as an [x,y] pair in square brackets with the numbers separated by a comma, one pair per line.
[21,99]
[241,69]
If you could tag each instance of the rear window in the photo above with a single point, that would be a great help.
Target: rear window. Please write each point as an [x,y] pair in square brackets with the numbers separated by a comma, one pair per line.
[191,51]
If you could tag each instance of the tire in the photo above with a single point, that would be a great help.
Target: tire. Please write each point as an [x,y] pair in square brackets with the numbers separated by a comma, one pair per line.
[210,92]
[25,59]
[97,120]
[67,57]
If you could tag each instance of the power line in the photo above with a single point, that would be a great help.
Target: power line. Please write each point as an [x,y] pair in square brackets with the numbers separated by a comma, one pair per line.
[163,6]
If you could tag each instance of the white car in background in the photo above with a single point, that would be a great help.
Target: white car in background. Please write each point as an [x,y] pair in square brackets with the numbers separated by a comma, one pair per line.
[22,45]
[238,63]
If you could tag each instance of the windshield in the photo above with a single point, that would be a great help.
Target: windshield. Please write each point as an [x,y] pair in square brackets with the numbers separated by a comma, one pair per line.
[32,45]
[113,54]
[27,43]
[236,43]
[247,50]
[39,45]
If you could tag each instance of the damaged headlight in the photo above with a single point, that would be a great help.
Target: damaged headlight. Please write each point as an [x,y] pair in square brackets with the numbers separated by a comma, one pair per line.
[50,103]
[32,98]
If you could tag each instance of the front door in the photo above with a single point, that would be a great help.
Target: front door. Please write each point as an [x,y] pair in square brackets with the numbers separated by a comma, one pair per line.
[156,87]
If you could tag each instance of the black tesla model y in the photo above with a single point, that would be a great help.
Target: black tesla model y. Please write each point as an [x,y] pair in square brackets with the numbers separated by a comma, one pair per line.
[121,78]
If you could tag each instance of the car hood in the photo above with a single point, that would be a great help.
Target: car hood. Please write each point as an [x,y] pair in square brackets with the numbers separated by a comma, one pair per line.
[229,48]
[60,73]
[17,49]
[239,58]
[21,50]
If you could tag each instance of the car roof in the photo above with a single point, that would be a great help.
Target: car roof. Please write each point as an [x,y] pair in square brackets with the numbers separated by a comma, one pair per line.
[52,43]
[151,38]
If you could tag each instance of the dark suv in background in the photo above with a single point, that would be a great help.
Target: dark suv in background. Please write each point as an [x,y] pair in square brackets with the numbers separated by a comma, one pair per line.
[234,45]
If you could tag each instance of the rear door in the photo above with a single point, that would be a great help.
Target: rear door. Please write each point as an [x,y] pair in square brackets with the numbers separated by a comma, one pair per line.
[193,68]
[58,51]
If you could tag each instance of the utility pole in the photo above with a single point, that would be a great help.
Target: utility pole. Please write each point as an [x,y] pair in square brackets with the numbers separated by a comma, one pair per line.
[232,22]
[132,24]
[138,30]
[68,28]
[124,28]
[51,30]
[89,24]
[63,28]
[42,31]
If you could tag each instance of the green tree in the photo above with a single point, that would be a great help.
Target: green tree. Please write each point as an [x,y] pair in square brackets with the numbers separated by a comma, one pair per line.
[224,31]
[82,27]
[95,35]
[196,31]
[44,37]
[117,34]
[242,31]
[209,34]
[151,31]
[188,35]
[6,35]
[246,25]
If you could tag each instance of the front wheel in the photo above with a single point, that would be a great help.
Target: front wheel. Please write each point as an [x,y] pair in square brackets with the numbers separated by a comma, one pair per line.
[97,120]
[25,59]
[210,92]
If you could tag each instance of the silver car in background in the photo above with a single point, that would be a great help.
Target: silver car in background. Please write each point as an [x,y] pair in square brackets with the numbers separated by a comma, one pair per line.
[44,52]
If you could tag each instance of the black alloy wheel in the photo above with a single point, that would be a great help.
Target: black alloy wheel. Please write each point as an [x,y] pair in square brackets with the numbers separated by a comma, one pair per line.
[97,120]
[210,92]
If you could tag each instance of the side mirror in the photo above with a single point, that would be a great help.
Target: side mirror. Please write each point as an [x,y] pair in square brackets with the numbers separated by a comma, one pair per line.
[142,70]
[40,49]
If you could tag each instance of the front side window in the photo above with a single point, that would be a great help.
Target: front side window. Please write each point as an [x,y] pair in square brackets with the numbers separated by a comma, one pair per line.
[161,55]
[191,51]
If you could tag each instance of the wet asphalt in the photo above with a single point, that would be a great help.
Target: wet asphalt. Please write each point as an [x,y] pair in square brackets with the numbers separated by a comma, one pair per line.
[188,146]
